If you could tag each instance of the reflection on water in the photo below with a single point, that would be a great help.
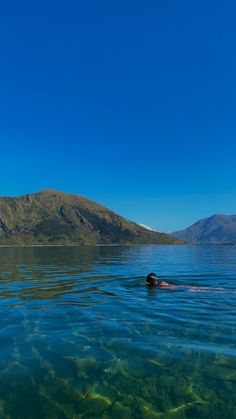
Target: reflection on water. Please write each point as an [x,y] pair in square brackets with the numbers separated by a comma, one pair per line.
[83,337]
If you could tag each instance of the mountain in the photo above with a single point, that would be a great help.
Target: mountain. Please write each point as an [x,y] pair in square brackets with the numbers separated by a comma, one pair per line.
[214,230]
[52,217]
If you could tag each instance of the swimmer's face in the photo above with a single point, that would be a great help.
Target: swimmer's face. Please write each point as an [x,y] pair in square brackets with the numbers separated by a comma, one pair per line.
[152,280]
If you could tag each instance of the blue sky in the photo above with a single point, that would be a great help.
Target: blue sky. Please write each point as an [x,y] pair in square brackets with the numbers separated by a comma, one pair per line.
[130,103]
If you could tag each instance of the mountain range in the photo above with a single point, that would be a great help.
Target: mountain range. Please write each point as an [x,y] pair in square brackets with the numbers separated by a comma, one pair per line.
[216,229]
[53,217]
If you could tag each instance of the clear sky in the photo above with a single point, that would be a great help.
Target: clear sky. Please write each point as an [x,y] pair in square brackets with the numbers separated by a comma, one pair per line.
[130,103]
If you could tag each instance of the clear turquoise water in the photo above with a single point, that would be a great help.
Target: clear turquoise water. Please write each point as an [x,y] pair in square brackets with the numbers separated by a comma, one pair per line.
[82,336]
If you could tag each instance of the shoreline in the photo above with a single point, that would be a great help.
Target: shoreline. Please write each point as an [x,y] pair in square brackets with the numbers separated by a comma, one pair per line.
[93,245]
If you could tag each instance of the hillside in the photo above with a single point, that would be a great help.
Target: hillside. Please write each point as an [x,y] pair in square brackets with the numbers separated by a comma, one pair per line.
[52,217]
[213,230]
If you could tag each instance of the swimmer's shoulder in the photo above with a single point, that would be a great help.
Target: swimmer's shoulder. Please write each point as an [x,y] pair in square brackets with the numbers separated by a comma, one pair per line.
[164,284]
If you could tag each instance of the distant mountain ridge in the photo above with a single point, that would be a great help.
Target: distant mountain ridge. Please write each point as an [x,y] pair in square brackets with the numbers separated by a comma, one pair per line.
[216,229]
[53,217]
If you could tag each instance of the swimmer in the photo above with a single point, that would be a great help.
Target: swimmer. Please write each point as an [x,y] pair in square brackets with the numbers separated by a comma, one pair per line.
[152,281]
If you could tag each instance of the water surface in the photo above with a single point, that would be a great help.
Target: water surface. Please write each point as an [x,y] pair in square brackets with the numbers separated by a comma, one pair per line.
[82,336]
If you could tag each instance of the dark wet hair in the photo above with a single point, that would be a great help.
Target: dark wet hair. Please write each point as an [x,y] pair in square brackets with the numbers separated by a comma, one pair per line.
[151,279]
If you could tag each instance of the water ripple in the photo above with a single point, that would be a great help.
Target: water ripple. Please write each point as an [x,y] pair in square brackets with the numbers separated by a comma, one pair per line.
[83,336]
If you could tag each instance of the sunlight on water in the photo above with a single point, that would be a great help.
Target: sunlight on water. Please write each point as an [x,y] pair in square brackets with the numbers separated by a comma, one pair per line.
[83,337]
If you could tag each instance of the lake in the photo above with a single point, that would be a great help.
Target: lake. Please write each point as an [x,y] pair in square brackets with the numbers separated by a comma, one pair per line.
[82,336]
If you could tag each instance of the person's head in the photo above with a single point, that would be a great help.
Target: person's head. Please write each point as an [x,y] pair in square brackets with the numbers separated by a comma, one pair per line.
[152,279]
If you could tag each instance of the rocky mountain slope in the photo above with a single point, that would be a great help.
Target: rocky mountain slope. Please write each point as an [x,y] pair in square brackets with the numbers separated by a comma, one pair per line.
[52,217]
[215,229]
